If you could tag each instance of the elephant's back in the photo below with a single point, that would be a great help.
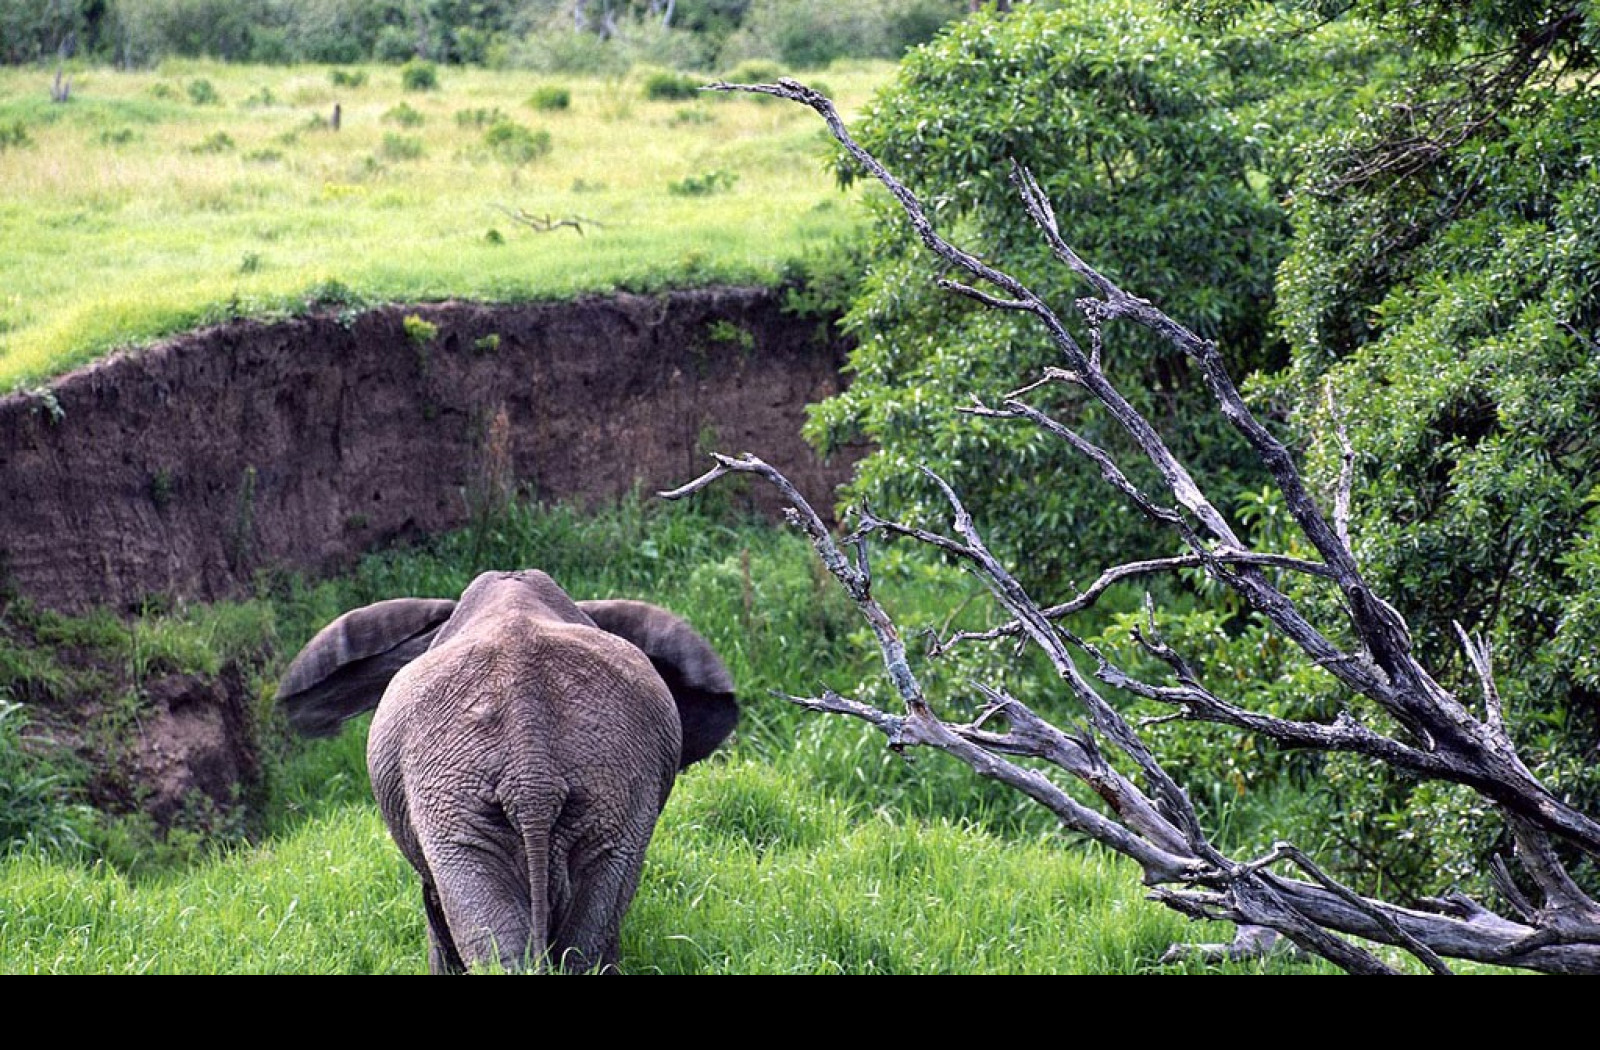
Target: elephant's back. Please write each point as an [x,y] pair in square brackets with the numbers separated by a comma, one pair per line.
[515,697]
[600,699]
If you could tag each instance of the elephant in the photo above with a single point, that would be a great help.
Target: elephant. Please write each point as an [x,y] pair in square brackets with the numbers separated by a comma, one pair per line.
[522,748]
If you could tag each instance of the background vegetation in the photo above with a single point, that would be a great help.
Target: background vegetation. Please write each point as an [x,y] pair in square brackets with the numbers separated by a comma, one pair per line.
[1382,199]
[566,36]
[135,210]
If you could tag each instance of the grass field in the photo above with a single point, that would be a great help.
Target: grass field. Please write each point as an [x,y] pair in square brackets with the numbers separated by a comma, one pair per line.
[155,201]
[805,846]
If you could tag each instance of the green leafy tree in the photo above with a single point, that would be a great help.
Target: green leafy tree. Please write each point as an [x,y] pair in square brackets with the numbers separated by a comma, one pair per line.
[1142,131]
[1443,284]
[1395,203]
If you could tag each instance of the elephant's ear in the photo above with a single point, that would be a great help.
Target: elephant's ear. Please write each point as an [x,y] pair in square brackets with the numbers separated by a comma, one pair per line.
[693,671]
[344,670]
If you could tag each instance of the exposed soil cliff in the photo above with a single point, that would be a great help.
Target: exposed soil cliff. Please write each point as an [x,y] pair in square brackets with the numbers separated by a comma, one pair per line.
[184,468]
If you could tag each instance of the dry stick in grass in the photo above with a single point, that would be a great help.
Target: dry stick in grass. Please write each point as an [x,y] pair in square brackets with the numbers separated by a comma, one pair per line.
[1156,825]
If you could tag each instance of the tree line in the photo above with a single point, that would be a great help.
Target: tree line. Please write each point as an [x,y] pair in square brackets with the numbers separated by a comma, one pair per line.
[557,35]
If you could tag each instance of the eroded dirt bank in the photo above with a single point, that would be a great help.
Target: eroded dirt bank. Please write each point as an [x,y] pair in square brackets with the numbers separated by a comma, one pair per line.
[185,468]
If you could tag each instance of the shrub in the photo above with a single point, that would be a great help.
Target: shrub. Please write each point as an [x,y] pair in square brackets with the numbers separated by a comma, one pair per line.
[202,93]
[216,142]
[664,85]
[419,331]
[400,147]
[394,44]
[1128,120]
[478,118]
[417,75]
[516,145]
[16,134]
[405,116]
[714,181]
[350,78]
[809,34]
[550,98]
[754,71]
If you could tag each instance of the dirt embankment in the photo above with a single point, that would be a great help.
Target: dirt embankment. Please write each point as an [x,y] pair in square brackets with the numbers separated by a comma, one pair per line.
[183,469]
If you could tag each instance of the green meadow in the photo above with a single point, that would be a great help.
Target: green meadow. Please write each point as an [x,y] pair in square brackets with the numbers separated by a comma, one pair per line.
[152,202]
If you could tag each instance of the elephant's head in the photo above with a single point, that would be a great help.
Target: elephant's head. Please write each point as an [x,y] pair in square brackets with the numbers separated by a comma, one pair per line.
[344,670]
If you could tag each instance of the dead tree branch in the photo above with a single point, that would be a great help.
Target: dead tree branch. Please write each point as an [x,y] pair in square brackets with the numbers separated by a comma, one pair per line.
[1155,824]
[546,223]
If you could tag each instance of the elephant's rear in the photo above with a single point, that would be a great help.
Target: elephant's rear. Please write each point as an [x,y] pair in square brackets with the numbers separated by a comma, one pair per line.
[521,768]
[610,730]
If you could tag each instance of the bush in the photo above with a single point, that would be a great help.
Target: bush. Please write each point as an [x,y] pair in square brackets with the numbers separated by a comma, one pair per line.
[516,145]
[405,116]
[350,78]
[715,181]
[754,71]
[420,331]
[201,93]
[417,75]
[1453,315]
[809,34]
[664,85]
[550,98]
[400,147]
[478,118]
[1130,123]
[216,142]
[394,44]
[15,134]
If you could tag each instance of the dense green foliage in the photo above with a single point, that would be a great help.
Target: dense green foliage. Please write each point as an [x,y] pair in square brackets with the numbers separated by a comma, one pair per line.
[1446,282]
[584,36]
[1148,137]
[1398,201]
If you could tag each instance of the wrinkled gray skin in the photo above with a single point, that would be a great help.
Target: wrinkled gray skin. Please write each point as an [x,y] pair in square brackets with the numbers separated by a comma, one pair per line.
[522,748]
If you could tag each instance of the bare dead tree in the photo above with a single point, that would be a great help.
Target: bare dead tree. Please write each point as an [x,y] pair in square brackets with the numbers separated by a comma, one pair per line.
[1150,819]
[546,223]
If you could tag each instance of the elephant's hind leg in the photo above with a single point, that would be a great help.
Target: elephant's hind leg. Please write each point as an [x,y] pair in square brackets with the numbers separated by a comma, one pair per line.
[603,874]
[443,958]
[484,894]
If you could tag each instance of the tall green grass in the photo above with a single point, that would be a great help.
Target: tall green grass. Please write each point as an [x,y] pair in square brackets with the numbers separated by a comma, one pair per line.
[750,872]
[132,212]
[803,847]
